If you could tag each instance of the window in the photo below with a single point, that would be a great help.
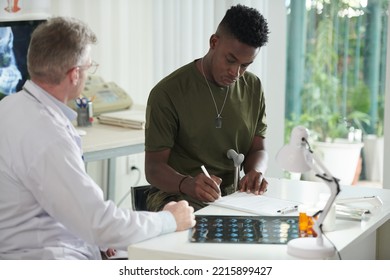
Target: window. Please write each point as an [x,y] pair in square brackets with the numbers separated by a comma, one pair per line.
[336,62]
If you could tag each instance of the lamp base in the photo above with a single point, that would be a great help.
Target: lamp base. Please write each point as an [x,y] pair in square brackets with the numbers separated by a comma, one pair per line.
[308,248]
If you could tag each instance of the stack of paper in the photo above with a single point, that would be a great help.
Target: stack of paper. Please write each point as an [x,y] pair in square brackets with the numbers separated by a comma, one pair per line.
[257,204]
[128,118]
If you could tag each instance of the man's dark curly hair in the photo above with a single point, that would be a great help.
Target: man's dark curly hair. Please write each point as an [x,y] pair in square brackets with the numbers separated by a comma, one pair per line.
[246,24]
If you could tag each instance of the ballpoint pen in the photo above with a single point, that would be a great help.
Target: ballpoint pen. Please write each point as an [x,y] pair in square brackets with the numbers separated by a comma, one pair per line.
[93,98]
[288,209]
[208,175]
[84,102]
[90,112]
[78,102]
[205,171]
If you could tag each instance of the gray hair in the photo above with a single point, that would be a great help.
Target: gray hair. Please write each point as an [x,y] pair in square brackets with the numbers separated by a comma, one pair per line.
[56,46]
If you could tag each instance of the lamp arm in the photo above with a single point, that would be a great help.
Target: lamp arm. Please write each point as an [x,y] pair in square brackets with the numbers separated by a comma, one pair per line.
[333,184]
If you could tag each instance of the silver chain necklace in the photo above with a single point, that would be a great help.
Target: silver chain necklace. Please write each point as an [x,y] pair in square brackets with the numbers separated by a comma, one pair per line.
[218,119]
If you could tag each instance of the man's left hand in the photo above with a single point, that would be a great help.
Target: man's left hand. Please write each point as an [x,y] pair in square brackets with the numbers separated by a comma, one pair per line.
[253,182]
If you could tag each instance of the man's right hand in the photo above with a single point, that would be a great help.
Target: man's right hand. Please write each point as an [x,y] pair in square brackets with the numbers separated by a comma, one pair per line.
[203,188]
[183,213]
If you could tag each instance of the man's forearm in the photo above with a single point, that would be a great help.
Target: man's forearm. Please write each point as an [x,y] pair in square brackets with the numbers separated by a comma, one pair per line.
[257,161]
[164,177]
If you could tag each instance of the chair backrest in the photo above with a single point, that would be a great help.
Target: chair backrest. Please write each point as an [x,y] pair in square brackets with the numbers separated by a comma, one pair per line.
[138,197]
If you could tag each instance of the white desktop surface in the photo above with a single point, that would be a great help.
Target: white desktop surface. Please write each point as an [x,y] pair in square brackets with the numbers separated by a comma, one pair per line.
[108,141]
[348,236]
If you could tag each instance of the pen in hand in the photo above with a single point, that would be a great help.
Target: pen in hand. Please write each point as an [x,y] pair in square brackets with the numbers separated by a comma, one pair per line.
[208,175]
[205,171]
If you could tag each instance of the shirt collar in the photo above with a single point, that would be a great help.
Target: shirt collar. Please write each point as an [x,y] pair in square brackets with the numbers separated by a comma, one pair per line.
[43,96]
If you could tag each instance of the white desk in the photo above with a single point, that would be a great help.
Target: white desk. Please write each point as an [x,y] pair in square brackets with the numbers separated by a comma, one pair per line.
[106,142]
[353,239]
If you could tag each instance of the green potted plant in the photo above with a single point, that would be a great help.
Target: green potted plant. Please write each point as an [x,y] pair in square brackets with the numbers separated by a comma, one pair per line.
[335,121]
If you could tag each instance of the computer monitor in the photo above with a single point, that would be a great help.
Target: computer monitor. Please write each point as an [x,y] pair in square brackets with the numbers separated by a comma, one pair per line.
[14,42]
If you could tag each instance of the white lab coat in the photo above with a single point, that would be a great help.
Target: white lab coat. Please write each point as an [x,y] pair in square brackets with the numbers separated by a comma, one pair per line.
[49,207]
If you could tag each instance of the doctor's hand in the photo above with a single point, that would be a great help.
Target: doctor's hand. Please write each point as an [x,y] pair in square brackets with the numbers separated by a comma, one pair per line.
[183,214]
[110,252]
[253,182]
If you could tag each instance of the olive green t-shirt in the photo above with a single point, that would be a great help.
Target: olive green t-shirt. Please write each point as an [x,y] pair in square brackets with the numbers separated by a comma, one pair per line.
[181,115]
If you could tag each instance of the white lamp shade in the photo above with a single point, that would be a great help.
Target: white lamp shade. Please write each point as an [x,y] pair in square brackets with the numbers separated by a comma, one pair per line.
[295,156]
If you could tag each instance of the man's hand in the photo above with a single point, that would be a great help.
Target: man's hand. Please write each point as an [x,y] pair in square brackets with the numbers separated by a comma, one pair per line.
[110,252]
[253,182]
[183,213]
[203,188]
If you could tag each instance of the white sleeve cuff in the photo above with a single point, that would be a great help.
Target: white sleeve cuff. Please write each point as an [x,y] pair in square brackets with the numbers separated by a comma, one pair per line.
[168,222]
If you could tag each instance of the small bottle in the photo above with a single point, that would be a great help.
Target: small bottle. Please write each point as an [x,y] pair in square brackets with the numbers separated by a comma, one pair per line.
[303,220]
[306,221]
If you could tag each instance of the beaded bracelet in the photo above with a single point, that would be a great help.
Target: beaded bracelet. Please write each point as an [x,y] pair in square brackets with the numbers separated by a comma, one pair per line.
[181,181]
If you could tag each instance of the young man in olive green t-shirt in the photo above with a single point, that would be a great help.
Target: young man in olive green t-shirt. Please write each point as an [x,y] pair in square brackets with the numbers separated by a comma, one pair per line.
[202,110]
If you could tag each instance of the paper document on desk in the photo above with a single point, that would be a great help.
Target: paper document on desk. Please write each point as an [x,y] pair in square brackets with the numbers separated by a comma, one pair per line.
[127,118]
[257,204]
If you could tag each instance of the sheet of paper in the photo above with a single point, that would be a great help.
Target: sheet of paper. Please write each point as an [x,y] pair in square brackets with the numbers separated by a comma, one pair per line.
[257,204]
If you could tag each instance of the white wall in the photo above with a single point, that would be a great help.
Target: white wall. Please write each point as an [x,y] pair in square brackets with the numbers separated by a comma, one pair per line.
[124,29]
[274,79]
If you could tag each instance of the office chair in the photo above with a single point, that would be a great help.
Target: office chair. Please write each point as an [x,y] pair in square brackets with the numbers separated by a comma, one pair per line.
[138,197]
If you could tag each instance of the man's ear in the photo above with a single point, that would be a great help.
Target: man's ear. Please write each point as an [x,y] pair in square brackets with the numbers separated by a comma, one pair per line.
[213,41]
[74,76]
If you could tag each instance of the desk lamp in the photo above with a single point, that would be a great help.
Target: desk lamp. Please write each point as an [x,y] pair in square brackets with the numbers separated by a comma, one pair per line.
[297,156]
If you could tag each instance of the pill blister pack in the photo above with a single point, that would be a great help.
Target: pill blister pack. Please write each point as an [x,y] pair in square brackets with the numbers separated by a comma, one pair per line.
[244,229]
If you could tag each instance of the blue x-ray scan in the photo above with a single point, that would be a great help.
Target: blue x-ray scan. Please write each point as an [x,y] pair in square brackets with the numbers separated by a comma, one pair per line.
[9,72]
